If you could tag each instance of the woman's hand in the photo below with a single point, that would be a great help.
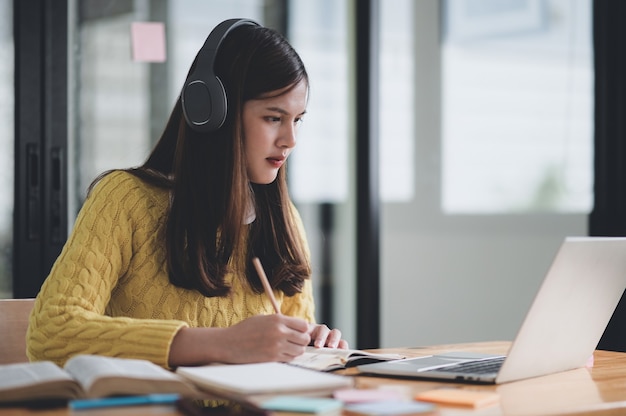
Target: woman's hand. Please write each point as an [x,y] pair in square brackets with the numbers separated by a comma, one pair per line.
[267,338]
[322,336]
[259,338]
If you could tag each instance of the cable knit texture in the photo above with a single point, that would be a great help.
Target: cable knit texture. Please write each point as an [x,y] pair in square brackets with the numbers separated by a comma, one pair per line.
[108,293]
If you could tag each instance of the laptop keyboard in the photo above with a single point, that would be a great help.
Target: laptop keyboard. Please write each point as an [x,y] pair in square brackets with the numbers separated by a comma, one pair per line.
[491,365]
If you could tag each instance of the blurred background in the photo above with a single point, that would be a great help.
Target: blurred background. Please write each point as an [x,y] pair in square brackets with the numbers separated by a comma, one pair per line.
[485,144]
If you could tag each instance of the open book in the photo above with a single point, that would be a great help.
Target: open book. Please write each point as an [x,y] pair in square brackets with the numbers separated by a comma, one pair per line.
[329,359]
[93,376]
[88,376]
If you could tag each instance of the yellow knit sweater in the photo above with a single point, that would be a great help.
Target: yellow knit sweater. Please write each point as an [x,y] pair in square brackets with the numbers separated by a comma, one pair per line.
[108,293]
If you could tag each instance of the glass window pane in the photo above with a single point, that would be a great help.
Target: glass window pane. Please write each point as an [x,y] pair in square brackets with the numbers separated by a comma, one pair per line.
[318,168]
[397,133]
[112,98]
[517,106]
[123,105]
[6,142]
[467,88]
[190,22]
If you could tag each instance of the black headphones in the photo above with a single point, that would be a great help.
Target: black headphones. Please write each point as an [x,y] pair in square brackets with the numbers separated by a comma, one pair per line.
[203,97]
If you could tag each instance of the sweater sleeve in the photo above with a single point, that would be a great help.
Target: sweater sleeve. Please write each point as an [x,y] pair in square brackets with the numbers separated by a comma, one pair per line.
[69,313]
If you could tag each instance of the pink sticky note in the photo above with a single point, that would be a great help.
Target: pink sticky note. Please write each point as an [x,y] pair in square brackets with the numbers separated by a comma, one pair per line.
[367,395]
[148,41]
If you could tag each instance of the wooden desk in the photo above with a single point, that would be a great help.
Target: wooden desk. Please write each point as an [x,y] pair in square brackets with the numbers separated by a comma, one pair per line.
[600,390]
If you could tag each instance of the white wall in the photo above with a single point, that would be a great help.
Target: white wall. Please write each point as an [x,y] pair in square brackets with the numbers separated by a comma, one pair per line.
[471,279]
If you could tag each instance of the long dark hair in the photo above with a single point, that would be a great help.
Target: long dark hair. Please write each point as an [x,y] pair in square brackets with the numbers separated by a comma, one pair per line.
[210,189]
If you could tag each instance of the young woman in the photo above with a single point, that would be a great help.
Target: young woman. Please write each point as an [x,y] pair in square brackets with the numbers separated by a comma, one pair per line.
[158,265]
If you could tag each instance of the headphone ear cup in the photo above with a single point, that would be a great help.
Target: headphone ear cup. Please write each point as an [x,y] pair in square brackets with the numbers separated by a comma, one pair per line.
[205,104]
[203,96]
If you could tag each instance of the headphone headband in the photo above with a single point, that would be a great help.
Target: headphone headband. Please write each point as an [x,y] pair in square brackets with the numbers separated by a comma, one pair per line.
[203,97]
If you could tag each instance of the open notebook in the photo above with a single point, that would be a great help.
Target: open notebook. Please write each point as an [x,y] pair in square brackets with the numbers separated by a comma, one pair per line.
[562,327]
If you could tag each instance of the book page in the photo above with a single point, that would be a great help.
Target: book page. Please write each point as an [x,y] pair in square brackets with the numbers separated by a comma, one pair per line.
[105,376]
[322,359]
[327,359]
[38,380]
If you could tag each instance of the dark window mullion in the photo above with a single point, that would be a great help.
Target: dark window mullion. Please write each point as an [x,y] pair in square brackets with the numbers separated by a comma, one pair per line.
[27,263]
[55,131]
[367,186]
[40,200]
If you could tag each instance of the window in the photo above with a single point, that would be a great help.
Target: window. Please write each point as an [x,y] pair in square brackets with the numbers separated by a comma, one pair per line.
[502,164]
[396,107]
[123,105]
[517,114]
[319,169]
[319,166]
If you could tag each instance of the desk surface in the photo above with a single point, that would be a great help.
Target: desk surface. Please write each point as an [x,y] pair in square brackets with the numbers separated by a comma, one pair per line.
[600,390]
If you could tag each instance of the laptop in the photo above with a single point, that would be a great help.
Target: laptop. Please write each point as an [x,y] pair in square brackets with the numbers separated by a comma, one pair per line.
[560,331]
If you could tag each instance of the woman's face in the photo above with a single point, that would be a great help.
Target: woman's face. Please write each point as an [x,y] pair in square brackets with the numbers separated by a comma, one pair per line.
[270,124]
